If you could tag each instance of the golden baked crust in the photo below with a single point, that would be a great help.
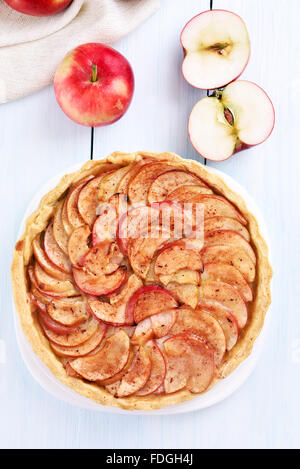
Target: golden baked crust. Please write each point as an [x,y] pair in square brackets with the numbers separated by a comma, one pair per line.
[37,222]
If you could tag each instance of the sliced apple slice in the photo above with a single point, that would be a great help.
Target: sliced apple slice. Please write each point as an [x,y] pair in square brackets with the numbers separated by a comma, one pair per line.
[102,259]
[45,263]
[140,184]
[149,300]
[110,182]
[182,277]
[177,256]
[185,193]
[158,370]
[51,285]
[97,285]
[216,205]
[142,250]
[137,375]
[105,226]
[109,314]
[186,294]
[230,255]
[168,182]
[124,182]
[240,116]
[41,306]
[78,244]
[204,326]
[88,200]
[59,232]
[106,363]
[122,297]
[163,322]
[115,379]
[143,332]
[134,223]
[224,237]
[85,348]
[53,251]
[217,49]
[74,217]
[228,274]
[228,296]
[76,336]
[53,327]
[68,311]
[64,219]
[190,364]
[225,318]
[225,223]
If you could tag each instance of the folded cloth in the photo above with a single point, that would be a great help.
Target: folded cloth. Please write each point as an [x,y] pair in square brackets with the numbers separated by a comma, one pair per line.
[31,47]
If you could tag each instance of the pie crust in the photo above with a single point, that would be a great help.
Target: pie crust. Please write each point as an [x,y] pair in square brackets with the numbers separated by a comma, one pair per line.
[38,221]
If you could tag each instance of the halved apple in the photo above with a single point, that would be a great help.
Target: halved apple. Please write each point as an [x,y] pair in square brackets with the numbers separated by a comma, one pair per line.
[78,244]
[110,359]
[167,182]
[225,223]
[230,255]
[225,318]
[97,285]
[137,375]
[177,256]
[149,300]
[240,116]
[51,285]
[204,326]
[59,232]
[109,314]
[110,182]
[216,205]
[53,251]
[186,294]
[68,311]
[45,263]
[190,364]
[140,184]
[141,250]
[85,348]
[88,200]
[217,49]
[74,217]
[224,237]
[228,274]
[158,369]
[76,336]
[185,193]
[228,296]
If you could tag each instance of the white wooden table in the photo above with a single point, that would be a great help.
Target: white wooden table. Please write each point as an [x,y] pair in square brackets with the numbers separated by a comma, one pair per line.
[37,141]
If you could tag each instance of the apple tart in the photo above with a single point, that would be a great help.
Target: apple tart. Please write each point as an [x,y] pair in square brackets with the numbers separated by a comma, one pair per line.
[127,310]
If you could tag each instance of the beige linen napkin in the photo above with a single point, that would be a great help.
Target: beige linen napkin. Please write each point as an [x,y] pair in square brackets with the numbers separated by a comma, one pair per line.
[31,48]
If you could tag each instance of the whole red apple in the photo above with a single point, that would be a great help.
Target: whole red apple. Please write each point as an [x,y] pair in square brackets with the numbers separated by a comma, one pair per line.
[94,85]
[38,7]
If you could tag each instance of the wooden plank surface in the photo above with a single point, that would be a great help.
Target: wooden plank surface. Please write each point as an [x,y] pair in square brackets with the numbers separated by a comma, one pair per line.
[37,141]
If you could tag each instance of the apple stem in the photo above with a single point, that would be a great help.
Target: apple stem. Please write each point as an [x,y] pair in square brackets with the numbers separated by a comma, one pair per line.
[94,73]
[218,94]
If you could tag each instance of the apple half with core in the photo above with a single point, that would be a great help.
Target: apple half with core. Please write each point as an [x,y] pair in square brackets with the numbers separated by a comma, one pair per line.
[240,116]
[216,47]
[94,85]
[40,7]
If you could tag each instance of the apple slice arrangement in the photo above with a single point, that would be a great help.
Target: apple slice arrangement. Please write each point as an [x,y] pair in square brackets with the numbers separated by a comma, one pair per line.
[238,114]
[138,314]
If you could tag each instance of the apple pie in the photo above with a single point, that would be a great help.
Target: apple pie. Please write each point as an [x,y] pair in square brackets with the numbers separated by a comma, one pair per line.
[122,305]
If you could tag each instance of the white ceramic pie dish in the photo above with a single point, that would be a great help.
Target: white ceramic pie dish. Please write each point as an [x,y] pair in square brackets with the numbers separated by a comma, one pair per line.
[219,392]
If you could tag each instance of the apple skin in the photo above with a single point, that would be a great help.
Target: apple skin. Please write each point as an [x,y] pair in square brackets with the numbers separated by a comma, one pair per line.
[40,7]
[88,102]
